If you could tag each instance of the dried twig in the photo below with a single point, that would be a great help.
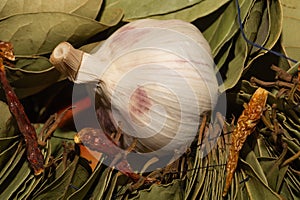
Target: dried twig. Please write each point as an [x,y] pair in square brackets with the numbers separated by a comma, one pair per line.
[283,75]
[271,84]
[51,125]
[291,159]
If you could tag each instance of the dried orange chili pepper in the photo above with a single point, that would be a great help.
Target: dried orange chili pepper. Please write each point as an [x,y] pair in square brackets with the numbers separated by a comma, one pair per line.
[245,125]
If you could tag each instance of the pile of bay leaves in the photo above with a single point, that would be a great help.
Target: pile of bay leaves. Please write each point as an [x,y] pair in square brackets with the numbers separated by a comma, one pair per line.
[35,27]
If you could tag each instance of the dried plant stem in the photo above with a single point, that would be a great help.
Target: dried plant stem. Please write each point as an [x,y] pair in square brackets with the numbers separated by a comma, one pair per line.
[271,84]
[201,129]
[291,159]
[283,75]
[34,154]
[51,125]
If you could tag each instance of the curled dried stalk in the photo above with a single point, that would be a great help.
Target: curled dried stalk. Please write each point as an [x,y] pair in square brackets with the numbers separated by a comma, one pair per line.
[245,125]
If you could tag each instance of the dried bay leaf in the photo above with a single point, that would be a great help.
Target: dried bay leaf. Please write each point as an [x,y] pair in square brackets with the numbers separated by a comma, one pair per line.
[6,153]
[6,124]
[27,187]
[275,179]
[162,191]
[255,186]
[83,191]
[251,27]
[33,65]
[112,187]
[38,33]
[194,12]
[275,26]
[80,176]
[224,28]
[111,16]
[196,175]
[87,8]
[103,183]
[236,65]
[252,160]
[135,9]
[288,192]
[29,83]
[35,34]
[59,186]
[291,28]
[223,55]
[263,30]
[19,177]
[10,164]
[56,141]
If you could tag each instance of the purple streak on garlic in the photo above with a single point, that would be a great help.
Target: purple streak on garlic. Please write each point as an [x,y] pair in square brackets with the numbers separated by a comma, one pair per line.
[159,77]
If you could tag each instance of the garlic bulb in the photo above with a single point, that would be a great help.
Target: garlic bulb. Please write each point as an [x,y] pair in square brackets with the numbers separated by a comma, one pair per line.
[158,77]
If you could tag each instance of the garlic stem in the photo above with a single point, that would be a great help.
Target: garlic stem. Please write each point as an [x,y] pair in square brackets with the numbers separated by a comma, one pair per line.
[67,59]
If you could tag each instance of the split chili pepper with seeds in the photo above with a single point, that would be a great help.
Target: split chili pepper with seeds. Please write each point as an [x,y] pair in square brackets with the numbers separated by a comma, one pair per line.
[34,154]
[245,125]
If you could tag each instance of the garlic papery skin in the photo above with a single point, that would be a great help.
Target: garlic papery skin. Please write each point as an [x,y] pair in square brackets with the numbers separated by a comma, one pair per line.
[159,78]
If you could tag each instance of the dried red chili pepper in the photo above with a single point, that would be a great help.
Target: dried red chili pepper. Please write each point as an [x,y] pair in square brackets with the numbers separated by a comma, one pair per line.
[97,140]
[34,155]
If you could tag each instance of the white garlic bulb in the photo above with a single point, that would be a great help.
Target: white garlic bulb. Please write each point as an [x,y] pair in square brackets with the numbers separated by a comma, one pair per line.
[158,75]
